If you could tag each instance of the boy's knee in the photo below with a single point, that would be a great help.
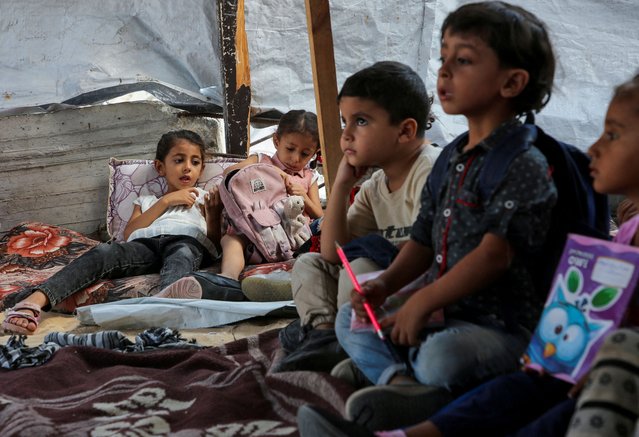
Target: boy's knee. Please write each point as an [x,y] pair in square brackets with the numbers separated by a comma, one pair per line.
[314,289]
[446,362]
[306,272]
[312,261]
[304,262]
[345,286]
[186,251]
[104,248]
[445,373]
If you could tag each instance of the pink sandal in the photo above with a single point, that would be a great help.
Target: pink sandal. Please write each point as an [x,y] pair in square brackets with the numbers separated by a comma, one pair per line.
[15,313]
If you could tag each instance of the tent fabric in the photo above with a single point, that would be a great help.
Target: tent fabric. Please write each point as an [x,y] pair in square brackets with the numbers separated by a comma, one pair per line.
[55,51]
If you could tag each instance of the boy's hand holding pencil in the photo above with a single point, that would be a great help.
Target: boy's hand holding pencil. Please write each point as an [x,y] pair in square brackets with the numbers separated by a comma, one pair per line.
[366,304]
[375,291]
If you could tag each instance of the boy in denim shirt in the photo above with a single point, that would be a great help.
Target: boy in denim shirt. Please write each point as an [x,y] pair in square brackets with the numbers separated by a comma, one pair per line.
[497,64]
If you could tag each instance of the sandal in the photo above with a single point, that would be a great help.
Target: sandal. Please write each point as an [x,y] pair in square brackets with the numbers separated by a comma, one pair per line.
[15,313]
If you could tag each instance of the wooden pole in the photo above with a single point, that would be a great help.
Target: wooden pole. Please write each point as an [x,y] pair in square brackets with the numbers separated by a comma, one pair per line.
[318,22]
[236,76]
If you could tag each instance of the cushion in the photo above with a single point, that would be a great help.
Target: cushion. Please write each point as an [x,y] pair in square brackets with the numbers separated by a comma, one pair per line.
[129,179]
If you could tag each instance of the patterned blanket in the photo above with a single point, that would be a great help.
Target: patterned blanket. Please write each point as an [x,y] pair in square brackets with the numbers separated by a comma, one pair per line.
[222,391]
[32,252]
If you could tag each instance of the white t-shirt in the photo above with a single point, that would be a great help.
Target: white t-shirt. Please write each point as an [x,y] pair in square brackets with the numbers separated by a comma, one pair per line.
[176,220]
[376,210]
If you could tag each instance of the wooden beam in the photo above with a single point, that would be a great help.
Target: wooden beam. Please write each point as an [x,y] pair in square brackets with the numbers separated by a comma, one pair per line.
[236,76]
[320,35]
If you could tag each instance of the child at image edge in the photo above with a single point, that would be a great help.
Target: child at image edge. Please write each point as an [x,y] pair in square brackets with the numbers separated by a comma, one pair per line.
[529,404]
[169,235]
[296,142]
[497,63]
[385,112]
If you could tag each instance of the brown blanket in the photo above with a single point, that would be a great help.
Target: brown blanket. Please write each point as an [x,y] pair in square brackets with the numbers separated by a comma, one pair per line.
[225,390]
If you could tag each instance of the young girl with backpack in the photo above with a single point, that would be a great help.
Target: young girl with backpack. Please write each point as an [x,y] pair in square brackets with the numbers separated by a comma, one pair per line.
[296,142]
[170,235]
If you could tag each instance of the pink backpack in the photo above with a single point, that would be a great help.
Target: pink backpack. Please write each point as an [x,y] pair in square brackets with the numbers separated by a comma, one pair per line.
[258,207]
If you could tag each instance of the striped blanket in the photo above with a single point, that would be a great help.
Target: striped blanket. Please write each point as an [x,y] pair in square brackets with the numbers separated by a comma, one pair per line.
[220,391]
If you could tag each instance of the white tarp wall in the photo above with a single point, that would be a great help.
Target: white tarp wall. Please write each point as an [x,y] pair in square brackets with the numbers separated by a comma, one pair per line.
[52,50]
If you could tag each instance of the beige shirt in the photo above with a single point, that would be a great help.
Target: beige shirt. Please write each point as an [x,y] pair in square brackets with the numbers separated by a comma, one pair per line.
[377,210]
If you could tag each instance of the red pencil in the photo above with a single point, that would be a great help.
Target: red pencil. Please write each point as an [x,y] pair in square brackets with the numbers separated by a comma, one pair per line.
[367,307]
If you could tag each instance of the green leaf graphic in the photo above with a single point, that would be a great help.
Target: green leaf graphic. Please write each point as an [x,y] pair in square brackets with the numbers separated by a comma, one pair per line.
[604,296]
[573,281]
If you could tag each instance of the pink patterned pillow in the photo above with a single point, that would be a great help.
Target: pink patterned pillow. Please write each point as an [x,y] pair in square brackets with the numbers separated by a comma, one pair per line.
[131,178]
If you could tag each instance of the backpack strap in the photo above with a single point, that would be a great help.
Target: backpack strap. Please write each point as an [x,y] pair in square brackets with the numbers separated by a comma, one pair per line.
[496,163]
[438,173]
[500,157]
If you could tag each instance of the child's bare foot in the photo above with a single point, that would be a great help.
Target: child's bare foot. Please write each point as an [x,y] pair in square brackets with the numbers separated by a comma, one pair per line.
[24,317]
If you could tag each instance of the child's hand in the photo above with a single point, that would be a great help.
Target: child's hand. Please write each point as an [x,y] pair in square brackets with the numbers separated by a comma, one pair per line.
[294,189]
[376,293]
[212,203]
[408,322]
[186,197]
[283,175]
[347,174]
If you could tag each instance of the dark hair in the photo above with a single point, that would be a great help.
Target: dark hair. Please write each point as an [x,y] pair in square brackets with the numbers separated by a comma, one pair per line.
[169,140]
[519,39]
[627,91]
[298,121]
[395,87]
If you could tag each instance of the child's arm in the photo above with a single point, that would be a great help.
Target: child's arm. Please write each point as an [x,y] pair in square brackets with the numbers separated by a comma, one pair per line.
[252,159]
[312,204]
[474,272]
[334,225]
[139,219]
[212,211]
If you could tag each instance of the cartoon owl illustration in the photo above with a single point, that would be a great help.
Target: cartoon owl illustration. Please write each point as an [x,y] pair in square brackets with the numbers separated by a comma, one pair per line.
[560,338]
[562,335]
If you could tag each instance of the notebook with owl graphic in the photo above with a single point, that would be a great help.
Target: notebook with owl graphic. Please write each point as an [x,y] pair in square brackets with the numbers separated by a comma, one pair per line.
[593,284]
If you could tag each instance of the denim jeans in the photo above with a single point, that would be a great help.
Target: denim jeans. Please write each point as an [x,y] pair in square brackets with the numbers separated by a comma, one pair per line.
[459,355]
[173,256]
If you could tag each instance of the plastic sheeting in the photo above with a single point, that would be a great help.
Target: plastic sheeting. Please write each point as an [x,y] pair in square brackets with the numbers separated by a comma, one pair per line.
[149,312]
[54,50]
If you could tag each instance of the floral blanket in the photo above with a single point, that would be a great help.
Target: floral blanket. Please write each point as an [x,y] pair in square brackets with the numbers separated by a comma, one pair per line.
[32,252]
[223,391]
